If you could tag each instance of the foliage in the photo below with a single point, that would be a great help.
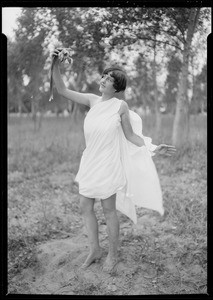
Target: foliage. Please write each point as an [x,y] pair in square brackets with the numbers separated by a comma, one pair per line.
[29,58]
[14,76]
[79,28]
[96,34]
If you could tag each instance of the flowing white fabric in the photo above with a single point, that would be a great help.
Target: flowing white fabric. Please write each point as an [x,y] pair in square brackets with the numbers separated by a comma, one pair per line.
[110,164]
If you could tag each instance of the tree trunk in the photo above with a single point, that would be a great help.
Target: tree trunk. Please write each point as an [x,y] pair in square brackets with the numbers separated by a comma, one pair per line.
[37,119]
[181,120]
[33,110]
[70,106]
[77,89]
[19,101]
[157,108]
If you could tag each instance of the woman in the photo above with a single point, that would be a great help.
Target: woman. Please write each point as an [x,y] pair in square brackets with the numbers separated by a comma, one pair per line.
[107,170]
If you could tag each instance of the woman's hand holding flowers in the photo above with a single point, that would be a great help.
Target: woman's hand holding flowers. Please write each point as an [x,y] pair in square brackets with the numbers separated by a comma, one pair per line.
[59,55]
[63,55]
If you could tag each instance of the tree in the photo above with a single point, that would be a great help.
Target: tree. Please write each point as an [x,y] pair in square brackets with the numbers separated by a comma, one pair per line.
[198,72]
[81,30]
[14,79]
[27,59]
[199,97]
[96,34]
[132,26]
[171,84]
[157,106]
[176,27]
[142,82]
[136,27]
[181,121]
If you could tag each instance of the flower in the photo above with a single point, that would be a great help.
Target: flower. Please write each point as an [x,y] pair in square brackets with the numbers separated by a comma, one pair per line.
[65,55]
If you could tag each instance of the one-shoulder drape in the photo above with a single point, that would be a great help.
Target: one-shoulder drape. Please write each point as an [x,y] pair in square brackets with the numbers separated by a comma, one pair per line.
[111,164]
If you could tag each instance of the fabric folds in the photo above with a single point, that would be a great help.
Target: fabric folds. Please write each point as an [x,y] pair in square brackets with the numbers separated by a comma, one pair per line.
[111,164]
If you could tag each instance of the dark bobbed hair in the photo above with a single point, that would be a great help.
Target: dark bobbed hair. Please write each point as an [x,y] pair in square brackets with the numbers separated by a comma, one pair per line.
[120,79]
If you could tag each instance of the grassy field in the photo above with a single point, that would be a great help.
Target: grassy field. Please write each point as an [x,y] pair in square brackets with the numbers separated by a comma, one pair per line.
[43,201]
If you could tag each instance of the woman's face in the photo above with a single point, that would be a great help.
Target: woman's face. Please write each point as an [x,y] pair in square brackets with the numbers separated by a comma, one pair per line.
[106,84]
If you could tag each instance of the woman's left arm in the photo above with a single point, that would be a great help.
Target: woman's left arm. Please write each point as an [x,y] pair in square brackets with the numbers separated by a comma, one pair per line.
[127,127]
[136,139]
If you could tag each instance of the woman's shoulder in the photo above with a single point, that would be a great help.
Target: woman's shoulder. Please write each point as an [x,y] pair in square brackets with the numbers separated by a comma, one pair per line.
[124,104]
[93,99]
[123,107]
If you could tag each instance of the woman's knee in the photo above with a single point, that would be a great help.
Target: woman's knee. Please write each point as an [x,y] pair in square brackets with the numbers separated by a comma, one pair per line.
[109,212]
[109,206]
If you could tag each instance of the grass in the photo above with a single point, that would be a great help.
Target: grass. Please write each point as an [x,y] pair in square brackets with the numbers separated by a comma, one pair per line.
[43,198]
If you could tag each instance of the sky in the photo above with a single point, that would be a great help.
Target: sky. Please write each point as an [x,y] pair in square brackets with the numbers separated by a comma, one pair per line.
[9,16]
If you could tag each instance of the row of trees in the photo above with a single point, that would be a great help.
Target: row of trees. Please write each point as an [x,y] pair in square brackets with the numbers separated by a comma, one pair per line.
[160,49]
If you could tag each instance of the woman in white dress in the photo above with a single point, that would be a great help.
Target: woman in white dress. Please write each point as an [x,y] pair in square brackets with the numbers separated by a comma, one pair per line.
[116,166]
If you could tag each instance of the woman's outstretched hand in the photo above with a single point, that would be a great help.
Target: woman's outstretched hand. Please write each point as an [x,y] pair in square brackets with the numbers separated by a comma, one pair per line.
[164,149]
[56,52]
[63,55]
[58,56]
[55,55]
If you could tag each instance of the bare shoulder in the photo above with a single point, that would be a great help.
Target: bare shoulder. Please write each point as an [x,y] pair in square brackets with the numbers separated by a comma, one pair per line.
[93,99]
[124,108]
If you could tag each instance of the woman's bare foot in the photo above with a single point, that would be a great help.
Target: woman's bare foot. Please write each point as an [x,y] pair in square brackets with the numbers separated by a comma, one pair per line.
[92,257]
[110,264]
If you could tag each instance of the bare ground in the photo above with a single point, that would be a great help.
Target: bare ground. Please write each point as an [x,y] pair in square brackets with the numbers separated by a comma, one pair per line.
[156,255]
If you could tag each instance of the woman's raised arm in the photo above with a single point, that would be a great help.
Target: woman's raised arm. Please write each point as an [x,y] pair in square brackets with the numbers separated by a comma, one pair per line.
[81,98]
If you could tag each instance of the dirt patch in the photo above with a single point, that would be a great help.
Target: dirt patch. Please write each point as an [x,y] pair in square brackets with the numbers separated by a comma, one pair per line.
[139,271]
[57,271]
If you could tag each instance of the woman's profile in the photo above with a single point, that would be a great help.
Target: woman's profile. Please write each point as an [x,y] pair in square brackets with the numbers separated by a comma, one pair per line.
[116,166]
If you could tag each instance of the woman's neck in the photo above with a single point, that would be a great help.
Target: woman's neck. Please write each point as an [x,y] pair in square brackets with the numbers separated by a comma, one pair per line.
[105,97]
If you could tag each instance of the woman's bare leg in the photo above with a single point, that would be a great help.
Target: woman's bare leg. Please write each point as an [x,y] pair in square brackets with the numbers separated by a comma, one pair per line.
[91,224]
[109,209]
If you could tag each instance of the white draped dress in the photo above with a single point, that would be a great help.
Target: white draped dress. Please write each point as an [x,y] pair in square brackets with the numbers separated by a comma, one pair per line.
[111,164]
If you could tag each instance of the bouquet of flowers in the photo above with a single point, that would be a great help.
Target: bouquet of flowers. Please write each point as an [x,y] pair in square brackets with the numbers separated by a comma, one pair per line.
[65,55]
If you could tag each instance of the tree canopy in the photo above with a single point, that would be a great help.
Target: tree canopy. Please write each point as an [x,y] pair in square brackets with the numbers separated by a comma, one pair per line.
[147,42]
